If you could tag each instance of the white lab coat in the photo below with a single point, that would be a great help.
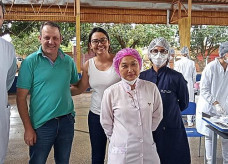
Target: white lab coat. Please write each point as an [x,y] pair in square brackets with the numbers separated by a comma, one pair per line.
[213,87]
[128,118]
[7,73]
[188,70]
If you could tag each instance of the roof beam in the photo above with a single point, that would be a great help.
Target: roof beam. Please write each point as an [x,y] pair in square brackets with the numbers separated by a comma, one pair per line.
[109,15]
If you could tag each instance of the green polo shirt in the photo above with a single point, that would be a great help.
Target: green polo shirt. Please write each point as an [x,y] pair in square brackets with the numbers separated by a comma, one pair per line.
[49,86]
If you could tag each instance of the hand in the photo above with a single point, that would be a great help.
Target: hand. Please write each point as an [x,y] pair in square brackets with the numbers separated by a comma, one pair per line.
[30,137]
[219,110]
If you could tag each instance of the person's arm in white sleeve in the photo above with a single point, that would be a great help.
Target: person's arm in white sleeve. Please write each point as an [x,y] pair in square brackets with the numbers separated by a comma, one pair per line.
[194,73]
[205,86]
[158,110]
[177,66]
[106,116]
[11,74]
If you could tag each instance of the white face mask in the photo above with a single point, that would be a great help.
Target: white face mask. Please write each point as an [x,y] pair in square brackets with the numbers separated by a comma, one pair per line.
[159,59]
[129,82]
[170,58]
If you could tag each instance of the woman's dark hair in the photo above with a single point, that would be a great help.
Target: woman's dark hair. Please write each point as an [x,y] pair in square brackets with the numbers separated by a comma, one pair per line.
[97,29]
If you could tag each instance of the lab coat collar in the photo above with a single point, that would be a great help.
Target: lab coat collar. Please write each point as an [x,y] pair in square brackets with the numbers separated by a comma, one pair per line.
[220,66]
[127,87]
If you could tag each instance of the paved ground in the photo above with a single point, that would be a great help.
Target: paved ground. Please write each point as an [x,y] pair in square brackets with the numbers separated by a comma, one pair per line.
[18,150]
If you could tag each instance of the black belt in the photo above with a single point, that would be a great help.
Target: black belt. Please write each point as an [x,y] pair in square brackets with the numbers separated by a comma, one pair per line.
[60,117]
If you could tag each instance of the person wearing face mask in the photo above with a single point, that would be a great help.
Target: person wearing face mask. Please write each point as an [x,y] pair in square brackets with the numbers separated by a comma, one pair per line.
[213,99]
[170,136]
[171,57]
[188,69]
[130,110]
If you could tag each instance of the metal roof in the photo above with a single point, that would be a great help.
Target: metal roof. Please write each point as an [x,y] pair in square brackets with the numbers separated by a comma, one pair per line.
[133,4]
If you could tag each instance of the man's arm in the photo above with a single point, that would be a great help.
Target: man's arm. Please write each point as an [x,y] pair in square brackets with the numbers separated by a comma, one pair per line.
[29,135]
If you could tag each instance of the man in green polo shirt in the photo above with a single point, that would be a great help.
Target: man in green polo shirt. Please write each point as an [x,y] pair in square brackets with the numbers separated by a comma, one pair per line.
[49,120]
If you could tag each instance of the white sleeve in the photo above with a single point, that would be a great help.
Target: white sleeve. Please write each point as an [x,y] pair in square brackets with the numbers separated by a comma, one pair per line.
[158,110]
[194,72]
[106,116]
[12,70]
[206,84]
[176,66]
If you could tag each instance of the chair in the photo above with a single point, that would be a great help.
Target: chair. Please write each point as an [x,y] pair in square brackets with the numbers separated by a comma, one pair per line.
[192,132]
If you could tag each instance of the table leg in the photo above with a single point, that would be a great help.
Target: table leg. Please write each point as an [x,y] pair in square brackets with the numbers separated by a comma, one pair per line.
[214,147]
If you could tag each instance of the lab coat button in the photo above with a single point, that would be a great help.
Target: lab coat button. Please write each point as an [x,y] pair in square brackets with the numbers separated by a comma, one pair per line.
[141,140]
[139,124]
[141,155]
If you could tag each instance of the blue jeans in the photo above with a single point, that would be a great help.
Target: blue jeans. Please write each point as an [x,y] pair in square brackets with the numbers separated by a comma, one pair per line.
[97,138]
[57,132]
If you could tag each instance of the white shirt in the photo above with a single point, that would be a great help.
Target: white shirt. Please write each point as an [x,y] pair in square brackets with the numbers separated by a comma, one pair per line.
[188,70]
[99,81]
[128,118]
[213,87]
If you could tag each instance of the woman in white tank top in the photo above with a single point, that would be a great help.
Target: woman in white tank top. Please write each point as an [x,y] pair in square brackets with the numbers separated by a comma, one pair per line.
[97,73]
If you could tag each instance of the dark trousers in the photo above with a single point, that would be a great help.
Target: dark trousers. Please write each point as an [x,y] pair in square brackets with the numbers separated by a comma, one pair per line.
[58,132]
[97,138]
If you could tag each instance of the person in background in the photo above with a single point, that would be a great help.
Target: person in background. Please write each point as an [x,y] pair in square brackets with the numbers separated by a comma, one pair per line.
[171,57]
[130,110]
[8,69]
[213,99]
[188,69]
[97,73]
[170,136]
[47,74]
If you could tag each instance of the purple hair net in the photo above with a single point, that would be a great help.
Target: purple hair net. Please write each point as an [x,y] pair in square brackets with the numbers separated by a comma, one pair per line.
[126,52]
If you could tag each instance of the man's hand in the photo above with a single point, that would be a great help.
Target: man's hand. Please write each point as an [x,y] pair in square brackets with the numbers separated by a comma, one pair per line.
[30,137]
[219,110]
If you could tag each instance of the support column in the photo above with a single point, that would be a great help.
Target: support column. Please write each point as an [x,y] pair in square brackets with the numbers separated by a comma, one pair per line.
[184,25]
[78,36]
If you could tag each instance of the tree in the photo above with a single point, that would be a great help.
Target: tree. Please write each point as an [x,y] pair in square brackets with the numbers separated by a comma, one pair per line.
[27,44]
[121,35]
[205,40]
[137,35]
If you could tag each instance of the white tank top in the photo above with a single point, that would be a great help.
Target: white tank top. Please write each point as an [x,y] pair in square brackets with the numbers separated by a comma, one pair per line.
[99,81]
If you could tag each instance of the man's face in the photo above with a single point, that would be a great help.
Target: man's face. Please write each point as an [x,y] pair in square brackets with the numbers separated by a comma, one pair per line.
[1,17]
[50,40]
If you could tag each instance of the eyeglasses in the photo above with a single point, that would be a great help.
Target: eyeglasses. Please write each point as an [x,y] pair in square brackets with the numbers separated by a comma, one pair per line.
[162,51]
[97,41]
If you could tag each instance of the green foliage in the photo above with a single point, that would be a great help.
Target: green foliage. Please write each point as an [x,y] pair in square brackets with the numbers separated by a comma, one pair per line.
[67,48]
[121,35]
[26,45]
[136,35]
[205,40]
